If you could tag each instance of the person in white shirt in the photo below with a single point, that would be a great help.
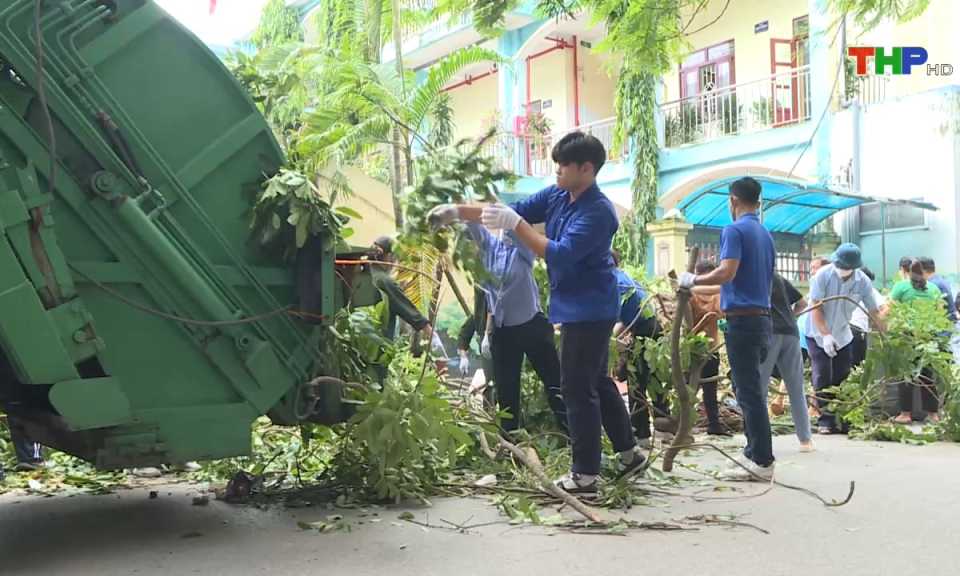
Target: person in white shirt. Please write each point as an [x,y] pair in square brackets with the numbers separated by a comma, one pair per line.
[860,322]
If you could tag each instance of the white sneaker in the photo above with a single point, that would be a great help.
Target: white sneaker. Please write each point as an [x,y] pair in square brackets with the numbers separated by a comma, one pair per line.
[732,464]
[751,472]
[150,472]
[806,448]
[187,467]
[576,485]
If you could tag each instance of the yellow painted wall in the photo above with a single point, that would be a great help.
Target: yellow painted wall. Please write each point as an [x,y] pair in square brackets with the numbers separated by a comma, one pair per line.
[751,51]
[471,104]
[934,30]
[597,88]
[550,76]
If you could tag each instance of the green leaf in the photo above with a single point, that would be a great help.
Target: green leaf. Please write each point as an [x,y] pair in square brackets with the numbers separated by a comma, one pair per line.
[406,516]
[619,528]
[302,233]
[349,212]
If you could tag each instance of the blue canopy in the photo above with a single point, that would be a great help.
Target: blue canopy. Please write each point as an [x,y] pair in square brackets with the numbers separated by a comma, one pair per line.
[788,206]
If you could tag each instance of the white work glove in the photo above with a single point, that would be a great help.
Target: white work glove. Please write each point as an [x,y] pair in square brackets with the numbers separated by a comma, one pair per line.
[687,280]
[443,215]
[830,345]
[500,217]
[464,363]
[485,346]
[437,345]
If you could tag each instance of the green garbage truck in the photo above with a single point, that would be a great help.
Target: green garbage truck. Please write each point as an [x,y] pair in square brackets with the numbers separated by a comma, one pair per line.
[137,325]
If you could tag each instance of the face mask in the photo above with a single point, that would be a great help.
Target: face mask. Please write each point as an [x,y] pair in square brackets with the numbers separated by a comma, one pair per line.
[843,274]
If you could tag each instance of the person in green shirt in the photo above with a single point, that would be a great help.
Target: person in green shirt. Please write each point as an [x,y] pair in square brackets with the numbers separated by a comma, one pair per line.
[397,301]
[916,287]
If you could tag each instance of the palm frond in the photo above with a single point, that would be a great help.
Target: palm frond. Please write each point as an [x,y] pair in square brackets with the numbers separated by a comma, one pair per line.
[441,122]
[417,280]
[440,73]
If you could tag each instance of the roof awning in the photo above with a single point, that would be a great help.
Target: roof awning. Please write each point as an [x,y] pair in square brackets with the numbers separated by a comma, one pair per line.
[788,206]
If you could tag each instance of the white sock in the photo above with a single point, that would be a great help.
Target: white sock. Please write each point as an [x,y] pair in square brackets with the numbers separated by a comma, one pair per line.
[587,479]
[628,455]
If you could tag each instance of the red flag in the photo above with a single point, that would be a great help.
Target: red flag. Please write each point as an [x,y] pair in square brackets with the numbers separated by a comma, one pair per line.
[213,6]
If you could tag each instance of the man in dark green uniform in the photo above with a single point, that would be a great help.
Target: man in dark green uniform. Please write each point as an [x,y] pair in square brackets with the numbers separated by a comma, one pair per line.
[397,301]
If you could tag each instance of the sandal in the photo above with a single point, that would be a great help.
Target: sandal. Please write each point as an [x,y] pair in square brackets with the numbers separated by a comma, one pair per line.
[901,422]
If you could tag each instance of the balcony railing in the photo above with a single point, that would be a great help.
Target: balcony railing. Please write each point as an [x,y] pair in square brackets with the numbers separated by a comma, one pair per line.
[770,102]
[537,155]
[872,89]
[529,154]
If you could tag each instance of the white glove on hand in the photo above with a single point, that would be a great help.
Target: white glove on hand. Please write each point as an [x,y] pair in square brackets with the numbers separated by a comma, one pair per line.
[687,280]
[830,345]
[485,346]
[443,215]
[500,217]
[437,345]
[464,363]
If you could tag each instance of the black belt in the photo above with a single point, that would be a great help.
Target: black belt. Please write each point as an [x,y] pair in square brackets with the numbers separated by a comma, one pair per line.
[747,312]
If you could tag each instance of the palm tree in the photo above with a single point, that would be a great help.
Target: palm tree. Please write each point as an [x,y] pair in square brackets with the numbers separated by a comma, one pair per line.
[369,105]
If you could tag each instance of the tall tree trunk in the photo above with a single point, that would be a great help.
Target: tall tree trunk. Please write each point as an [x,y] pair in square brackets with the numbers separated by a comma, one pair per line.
[398,141]
[396,184]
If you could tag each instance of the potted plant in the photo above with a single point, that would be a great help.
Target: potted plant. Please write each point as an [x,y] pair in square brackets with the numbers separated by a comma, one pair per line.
[538,130]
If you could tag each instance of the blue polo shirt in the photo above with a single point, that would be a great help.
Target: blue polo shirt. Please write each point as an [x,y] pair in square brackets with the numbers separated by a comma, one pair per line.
[512,295]
[631,296]
[944,287]
[749,242]
[583,285]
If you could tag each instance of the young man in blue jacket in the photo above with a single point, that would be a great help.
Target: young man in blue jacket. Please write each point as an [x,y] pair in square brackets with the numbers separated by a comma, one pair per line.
[580,222]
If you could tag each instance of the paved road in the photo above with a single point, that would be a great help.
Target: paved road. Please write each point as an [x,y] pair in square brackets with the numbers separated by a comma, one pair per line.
[903,520]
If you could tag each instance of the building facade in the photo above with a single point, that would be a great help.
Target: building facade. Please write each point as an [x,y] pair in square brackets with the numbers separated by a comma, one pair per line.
[764,91]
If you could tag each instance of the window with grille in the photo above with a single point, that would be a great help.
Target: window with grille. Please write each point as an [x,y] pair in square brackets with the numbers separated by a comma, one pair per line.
[896,216]
[707,70]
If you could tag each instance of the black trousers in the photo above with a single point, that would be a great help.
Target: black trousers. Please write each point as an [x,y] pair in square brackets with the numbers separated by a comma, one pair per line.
[640,412]
[928,393]
[826,373]
[711,370]
[508,346]
[591,397]
[859,346]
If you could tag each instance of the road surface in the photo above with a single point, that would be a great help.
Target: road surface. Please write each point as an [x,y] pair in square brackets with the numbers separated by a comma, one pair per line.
[902,520]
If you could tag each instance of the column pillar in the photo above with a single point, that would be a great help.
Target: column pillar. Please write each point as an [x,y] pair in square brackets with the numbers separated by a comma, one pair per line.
[511,93]
[823,244]
[823,70]
[669,239]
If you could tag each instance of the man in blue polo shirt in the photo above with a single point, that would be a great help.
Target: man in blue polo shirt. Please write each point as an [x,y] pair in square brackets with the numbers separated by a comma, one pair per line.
[580,222]
[745,277]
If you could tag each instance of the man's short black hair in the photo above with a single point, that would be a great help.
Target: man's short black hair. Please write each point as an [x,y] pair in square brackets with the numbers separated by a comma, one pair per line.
[705,266]
[579,148]
[927,264]
[905,262]
[385,243]
[746,189]
[868,273]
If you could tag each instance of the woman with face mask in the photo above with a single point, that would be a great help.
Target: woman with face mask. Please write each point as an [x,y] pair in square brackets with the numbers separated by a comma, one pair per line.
[827,329]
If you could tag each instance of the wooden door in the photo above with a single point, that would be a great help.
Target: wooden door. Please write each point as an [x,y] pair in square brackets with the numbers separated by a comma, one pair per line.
[783,85]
